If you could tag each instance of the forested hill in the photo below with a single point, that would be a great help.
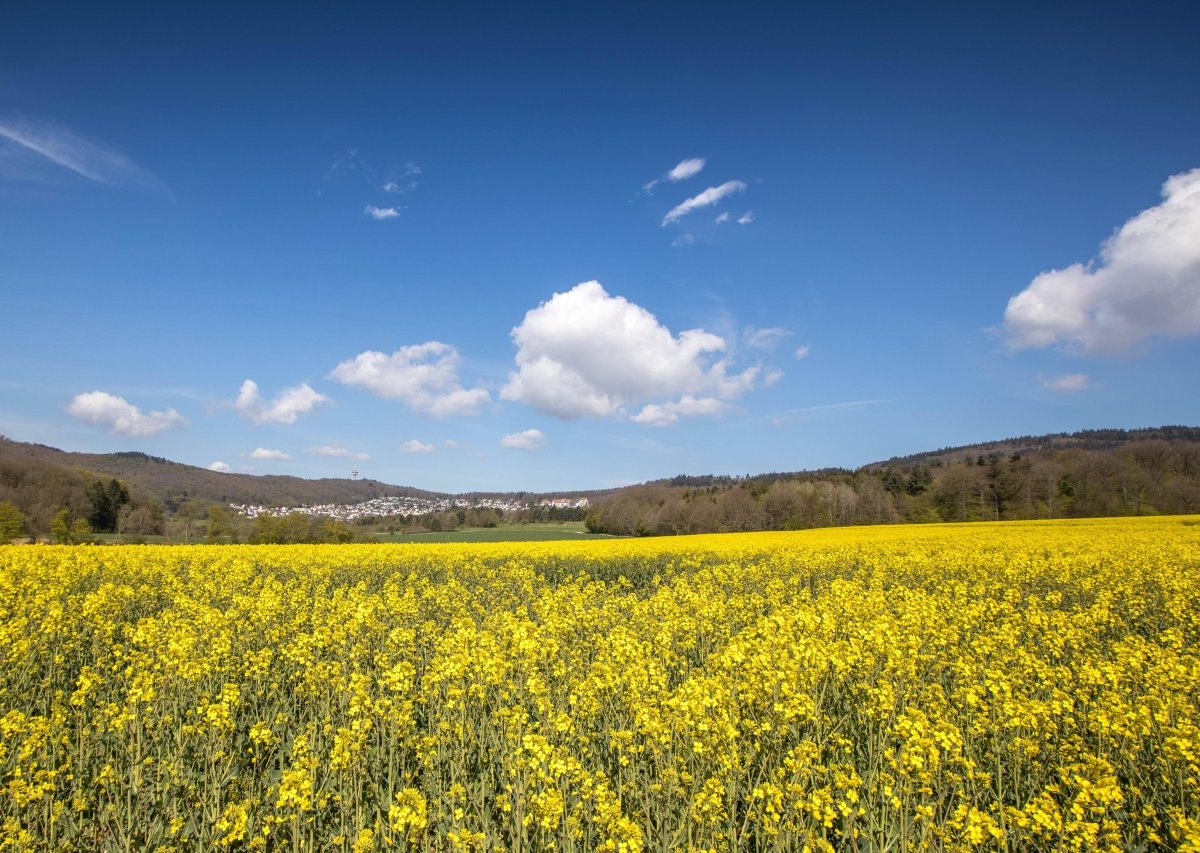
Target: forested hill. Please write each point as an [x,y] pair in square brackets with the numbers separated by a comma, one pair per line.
[1088,439]
[41,479]
[1089,473]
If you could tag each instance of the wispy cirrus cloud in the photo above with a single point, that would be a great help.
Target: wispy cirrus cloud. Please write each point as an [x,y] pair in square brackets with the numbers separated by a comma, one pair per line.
[764,339]
[792,415]
[382,213]
[1066,383]
[401,180]
[709,197]
[351,167]
[27,147]
[337,451]
[683,170]
[284,409]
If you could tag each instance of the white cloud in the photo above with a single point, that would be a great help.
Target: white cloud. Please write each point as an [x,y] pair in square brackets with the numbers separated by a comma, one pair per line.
[379,213]
[121,416]
[284,409]
[1146,282]
[51,143]
[665,414]
[791,416]
[415,446]
[683,240]
[219,467]
[346,163]
[683,170]
[709,197]
[529,439]
[424,376]
[686,169]
[451,444]
[585,353]
[801,353]
[337,451]
[1067,383]
[264,453]
[764,339]
[397,184]
[723,218]
[353,163]
[746,218]
[772,377]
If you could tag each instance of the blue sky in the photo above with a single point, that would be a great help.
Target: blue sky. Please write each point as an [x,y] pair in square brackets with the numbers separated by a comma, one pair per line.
[550,247]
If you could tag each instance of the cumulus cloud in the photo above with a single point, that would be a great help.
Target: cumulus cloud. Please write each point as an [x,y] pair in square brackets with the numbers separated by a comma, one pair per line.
[424,376]
[337,451]
[683,240]
[529,439]
[284,409]
[585,353]
[683,170]
[801,352]
[37,143]
[265,453]
[709,197]
[415,446]
[121,416]
[722,218]
[219,467]
[764,339]
[1146,282]
[379,213]
[665,414]
[1067,383]
[746,218]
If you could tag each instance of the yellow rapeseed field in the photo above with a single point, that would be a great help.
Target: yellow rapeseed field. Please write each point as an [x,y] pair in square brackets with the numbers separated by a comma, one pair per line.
[1018,686]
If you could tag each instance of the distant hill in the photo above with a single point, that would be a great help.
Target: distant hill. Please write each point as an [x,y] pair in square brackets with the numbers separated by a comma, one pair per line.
[1065,475]
[1088,439]
[1091,472]
[39,479]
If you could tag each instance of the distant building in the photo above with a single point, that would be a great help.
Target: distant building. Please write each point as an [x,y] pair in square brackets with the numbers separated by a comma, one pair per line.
[564,503]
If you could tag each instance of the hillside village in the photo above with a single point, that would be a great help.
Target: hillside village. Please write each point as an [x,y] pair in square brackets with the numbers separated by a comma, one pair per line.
[406,506]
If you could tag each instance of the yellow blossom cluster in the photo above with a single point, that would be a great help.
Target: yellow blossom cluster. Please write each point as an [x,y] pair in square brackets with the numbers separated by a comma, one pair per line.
[1014,686]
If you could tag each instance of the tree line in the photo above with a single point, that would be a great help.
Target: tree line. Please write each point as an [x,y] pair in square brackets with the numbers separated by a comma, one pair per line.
[1095,473]
[1156,476]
